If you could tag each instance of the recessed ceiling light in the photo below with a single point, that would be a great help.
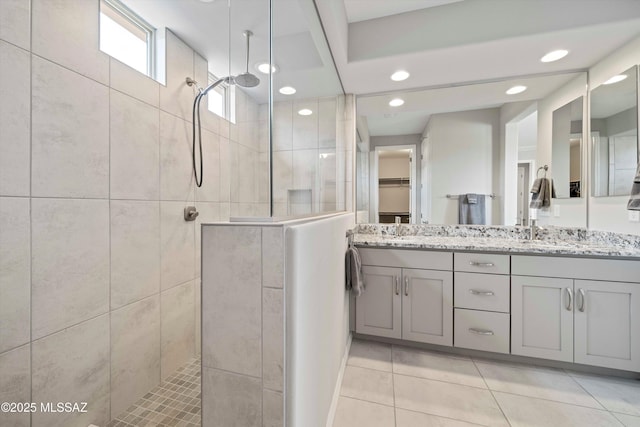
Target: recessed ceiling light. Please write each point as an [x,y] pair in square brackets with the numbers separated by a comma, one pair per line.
[305,112]
[399,76]
[516,89]
[555,55]
[615,79]
[263,67]
[287,90]
[396,102]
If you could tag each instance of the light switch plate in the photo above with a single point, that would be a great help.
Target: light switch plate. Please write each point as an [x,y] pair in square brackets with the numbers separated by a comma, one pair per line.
[634,216]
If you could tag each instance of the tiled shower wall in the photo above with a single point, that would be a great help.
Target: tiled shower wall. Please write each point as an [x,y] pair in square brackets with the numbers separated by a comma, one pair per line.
[312,155]
[99,272]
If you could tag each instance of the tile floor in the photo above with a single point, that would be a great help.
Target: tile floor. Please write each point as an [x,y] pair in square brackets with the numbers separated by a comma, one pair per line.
[396,386]
[175,403]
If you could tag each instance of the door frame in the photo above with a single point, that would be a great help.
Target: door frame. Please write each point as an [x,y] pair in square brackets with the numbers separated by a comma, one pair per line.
[373,183]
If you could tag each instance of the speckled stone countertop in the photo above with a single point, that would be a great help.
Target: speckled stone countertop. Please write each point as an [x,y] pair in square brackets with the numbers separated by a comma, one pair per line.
[551,240]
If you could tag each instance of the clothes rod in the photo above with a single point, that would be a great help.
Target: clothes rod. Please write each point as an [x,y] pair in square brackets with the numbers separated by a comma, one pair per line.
[455,196]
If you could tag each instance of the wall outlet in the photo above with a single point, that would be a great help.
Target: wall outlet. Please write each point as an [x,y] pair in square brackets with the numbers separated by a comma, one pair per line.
[634,216]
[556,211]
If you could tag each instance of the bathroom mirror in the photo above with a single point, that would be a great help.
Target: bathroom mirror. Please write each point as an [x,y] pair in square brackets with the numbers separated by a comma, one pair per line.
[472,140]
[614,134]
[566,147]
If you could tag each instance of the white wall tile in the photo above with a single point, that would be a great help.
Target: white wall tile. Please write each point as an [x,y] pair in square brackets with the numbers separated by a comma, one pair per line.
[210,190]
[177,327]
[67,32]
[70,262]
[225,169]
[283,125]
[177,97]
[70,140]
[327,123]
[135,148]
[15,384]
[209,212]
[272,409]
[15,112]
[233,297]
[73,366]
[272,257]
[247,169]
[305,128]
[305,173]
[15,22]
[282,175]
[176,163]
[209,120]
[132,82]
[263,178]
[230,399]
[135,352]
[273,338]
[177,245]
[15,276]
[135,251]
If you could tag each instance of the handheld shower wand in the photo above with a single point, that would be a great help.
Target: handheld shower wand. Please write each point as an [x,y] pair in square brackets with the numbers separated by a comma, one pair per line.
[245,79]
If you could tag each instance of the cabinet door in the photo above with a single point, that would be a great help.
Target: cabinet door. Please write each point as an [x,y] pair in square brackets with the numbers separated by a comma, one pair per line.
[379,308]
[607,324]
[427,306]
[542,317]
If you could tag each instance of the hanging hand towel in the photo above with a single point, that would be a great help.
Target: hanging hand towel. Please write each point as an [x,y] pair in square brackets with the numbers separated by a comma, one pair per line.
[542,194]
[353,271]
[472,212]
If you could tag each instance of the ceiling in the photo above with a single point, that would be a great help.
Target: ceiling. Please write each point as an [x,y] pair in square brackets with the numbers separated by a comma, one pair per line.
[609,100]
[449,44]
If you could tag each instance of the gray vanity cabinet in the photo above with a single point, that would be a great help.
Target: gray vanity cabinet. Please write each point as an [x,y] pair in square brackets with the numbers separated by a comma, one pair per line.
[404,298]
[569,318]
[607,324]
[379,308]
[542,317]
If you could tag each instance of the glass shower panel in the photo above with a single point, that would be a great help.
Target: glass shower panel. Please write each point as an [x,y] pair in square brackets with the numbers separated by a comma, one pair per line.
[311,140]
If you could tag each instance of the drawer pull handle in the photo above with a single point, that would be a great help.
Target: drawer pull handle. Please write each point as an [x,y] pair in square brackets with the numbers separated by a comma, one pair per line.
[569,305]
[397,285]
[480,331]
[481,264]
[481,293]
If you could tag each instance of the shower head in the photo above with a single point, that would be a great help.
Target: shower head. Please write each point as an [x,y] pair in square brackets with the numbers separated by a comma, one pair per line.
[247,79]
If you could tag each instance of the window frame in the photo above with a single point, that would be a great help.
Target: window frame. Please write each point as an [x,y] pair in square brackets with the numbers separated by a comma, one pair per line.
[136,20]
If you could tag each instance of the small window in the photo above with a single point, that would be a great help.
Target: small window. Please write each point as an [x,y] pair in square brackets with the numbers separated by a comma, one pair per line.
[222,100]
[127,37]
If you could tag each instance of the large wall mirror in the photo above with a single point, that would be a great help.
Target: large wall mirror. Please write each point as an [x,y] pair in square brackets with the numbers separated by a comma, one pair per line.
[614,134]
[458,155]
[566,148]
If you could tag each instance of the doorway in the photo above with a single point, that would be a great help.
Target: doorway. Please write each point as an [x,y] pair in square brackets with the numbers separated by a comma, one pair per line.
[523,193]
[394,184]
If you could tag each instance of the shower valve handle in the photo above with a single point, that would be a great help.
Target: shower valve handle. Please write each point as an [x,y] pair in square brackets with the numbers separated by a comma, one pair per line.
[190,213]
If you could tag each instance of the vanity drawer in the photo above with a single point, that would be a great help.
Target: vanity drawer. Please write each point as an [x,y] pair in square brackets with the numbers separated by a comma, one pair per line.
[481,330]
[489,292]
[481,263]
[426,260]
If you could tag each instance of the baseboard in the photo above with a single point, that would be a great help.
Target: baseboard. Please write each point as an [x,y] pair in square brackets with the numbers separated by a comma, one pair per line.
[336,390]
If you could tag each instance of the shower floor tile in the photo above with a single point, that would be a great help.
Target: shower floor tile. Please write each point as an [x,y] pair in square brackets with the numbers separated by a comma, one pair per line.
[175,403]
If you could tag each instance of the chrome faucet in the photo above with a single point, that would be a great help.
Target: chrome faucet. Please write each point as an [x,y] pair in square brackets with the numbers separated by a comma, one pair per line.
[534,229]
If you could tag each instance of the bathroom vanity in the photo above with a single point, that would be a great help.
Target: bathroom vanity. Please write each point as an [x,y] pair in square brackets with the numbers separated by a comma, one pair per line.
[572,297]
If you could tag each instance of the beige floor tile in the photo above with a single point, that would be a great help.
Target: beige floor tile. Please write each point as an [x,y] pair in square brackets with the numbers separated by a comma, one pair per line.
[448,400]
[406,418]
[357,413]
[435,366]
[530,412]
[615,394]
[368,384]
[545,384]
[628,420]
[372,355]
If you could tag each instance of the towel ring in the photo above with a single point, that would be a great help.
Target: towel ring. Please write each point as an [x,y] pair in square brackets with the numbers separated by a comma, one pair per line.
[545,167]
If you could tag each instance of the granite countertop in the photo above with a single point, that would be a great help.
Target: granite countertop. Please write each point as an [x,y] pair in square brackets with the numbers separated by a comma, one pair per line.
[553,240]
